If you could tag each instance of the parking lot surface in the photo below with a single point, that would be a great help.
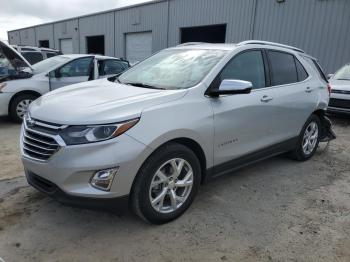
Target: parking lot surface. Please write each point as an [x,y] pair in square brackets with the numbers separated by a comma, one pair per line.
[275,210]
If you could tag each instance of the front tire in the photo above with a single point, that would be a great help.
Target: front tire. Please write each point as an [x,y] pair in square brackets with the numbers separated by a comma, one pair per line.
[166,184]
[19,106]
[309,139]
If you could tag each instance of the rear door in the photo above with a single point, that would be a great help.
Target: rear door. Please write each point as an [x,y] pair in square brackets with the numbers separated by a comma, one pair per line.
[293,95]
[76,71]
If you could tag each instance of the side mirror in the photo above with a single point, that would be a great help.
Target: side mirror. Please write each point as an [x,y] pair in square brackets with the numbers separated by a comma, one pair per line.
[232,87]
[329,76]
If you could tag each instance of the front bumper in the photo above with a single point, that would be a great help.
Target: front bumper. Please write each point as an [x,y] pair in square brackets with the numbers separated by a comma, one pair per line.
[71,168]
[4,103]
[339,103]
[116,205]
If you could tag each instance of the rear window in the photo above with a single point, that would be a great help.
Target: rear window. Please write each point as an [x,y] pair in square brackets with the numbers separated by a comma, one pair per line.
[32,57]
[302,74]
[320,71]
[51,55]
[283,68]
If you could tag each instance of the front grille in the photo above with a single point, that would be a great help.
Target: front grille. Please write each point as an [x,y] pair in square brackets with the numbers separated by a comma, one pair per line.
[340,103]
[39,139]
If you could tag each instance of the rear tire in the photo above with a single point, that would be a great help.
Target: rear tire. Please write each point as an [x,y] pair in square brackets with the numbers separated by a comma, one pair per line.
[309,139]
[19,106]
[166,184]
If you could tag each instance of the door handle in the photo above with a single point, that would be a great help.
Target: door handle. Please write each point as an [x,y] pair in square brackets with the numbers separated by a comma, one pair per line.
[266,99]
[308,90]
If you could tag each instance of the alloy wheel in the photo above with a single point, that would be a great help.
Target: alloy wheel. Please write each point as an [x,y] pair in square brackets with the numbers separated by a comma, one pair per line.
[171,185]
[310,138]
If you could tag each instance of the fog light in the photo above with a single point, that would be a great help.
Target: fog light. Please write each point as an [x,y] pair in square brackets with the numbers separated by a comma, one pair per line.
[103,179]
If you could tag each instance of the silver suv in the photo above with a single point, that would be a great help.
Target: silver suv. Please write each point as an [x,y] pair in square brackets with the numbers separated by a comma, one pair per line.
[148,138]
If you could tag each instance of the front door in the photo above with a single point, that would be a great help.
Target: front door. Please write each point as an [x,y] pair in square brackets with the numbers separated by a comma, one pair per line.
[243,122]
[76,71]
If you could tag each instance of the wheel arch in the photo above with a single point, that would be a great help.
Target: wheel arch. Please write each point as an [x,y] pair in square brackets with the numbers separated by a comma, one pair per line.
[24,92]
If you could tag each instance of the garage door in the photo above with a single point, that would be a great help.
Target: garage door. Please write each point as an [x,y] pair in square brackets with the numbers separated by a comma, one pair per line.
[66,46]
[138,46]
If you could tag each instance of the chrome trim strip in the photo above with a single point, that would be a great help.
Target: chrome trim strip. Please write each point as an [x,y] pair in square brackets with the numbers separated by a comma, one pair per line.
[40,147]
[40,141]
[36,152]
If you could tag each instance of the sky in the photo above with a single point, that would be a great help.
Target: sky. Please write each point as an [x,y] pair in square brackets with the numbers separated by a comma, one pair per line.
[15,14]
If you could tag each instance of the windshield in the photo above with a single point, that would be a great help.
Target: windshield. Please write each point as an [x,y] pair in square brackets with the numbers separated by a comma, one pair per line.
[5,66]
[173,69]
[49,63]
[343,73]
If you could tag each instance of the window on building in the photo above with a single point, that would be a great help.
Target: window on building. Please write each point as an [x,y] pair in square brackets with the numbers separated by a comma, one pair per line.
[44,43]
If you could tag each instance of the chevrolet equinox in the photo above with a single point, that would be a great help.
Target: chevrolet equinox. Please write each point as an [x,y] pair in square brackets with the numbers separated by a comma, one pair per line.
[149,137]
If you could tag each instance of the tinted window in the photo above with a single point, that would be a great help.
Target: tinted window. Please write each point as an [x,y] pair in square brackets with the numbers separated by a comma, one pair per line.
[78,67]
[248,66]
[302,74]
[33,57]
[111,67]
[282,68]
[320,71]
[50,55]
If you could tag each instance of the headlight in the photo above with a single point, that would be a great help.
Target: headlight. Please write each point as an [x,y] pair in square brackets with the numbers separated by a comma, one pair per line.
[74,135]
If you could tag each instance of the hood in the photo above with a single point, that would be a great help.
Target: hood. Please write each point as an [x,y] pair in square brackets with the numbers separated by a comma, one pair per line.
[13,56]
[98,102]
[340,84]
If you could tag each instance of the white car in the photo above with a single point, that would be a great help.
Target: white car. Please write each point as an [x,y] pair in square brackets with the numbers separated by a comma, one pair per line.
[36,54]
[340,96]
[21,83]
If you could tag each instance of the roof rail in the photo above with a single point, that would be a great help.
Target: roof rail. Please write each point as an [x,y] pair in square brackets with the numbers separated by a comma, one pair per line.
[258,42]
[191,43]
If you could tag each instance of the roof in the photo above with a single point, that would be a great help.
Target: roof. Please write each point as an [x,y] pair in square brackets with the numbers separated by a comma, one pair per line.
[255,43]
[100,57]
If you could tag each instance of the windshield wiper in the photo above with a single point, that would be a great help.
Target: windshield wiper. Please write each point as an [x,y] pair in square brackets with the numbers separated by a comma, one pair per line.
[144,86]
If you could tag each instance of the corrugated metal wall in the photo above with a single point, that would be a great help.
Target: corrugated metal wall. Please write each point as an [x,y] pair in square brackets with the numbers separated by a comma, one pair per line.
[236,14]
[45,32]
[14,37]
[27,36]
[97,25]
[320,27]
[66,30]
[153,17]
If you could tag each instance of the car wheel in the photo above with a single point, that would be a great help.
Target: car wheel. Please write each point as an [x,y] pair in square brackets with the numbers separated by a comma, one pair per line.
[166,184]
[19,106]
[308,139]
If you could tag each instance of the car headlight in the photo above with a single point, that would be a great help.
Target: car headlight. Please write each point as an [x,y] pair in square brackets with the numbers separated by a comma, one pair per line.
[75,135]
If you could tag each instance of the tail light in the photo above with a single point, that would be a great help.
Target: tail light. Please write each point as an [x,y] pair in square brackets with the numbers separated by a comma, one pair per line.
[329,88]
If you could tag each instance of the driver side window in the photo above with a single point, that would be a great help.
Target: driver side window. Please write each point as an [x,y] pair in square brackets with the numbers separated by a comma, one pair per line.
[248,66]
[78,67]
